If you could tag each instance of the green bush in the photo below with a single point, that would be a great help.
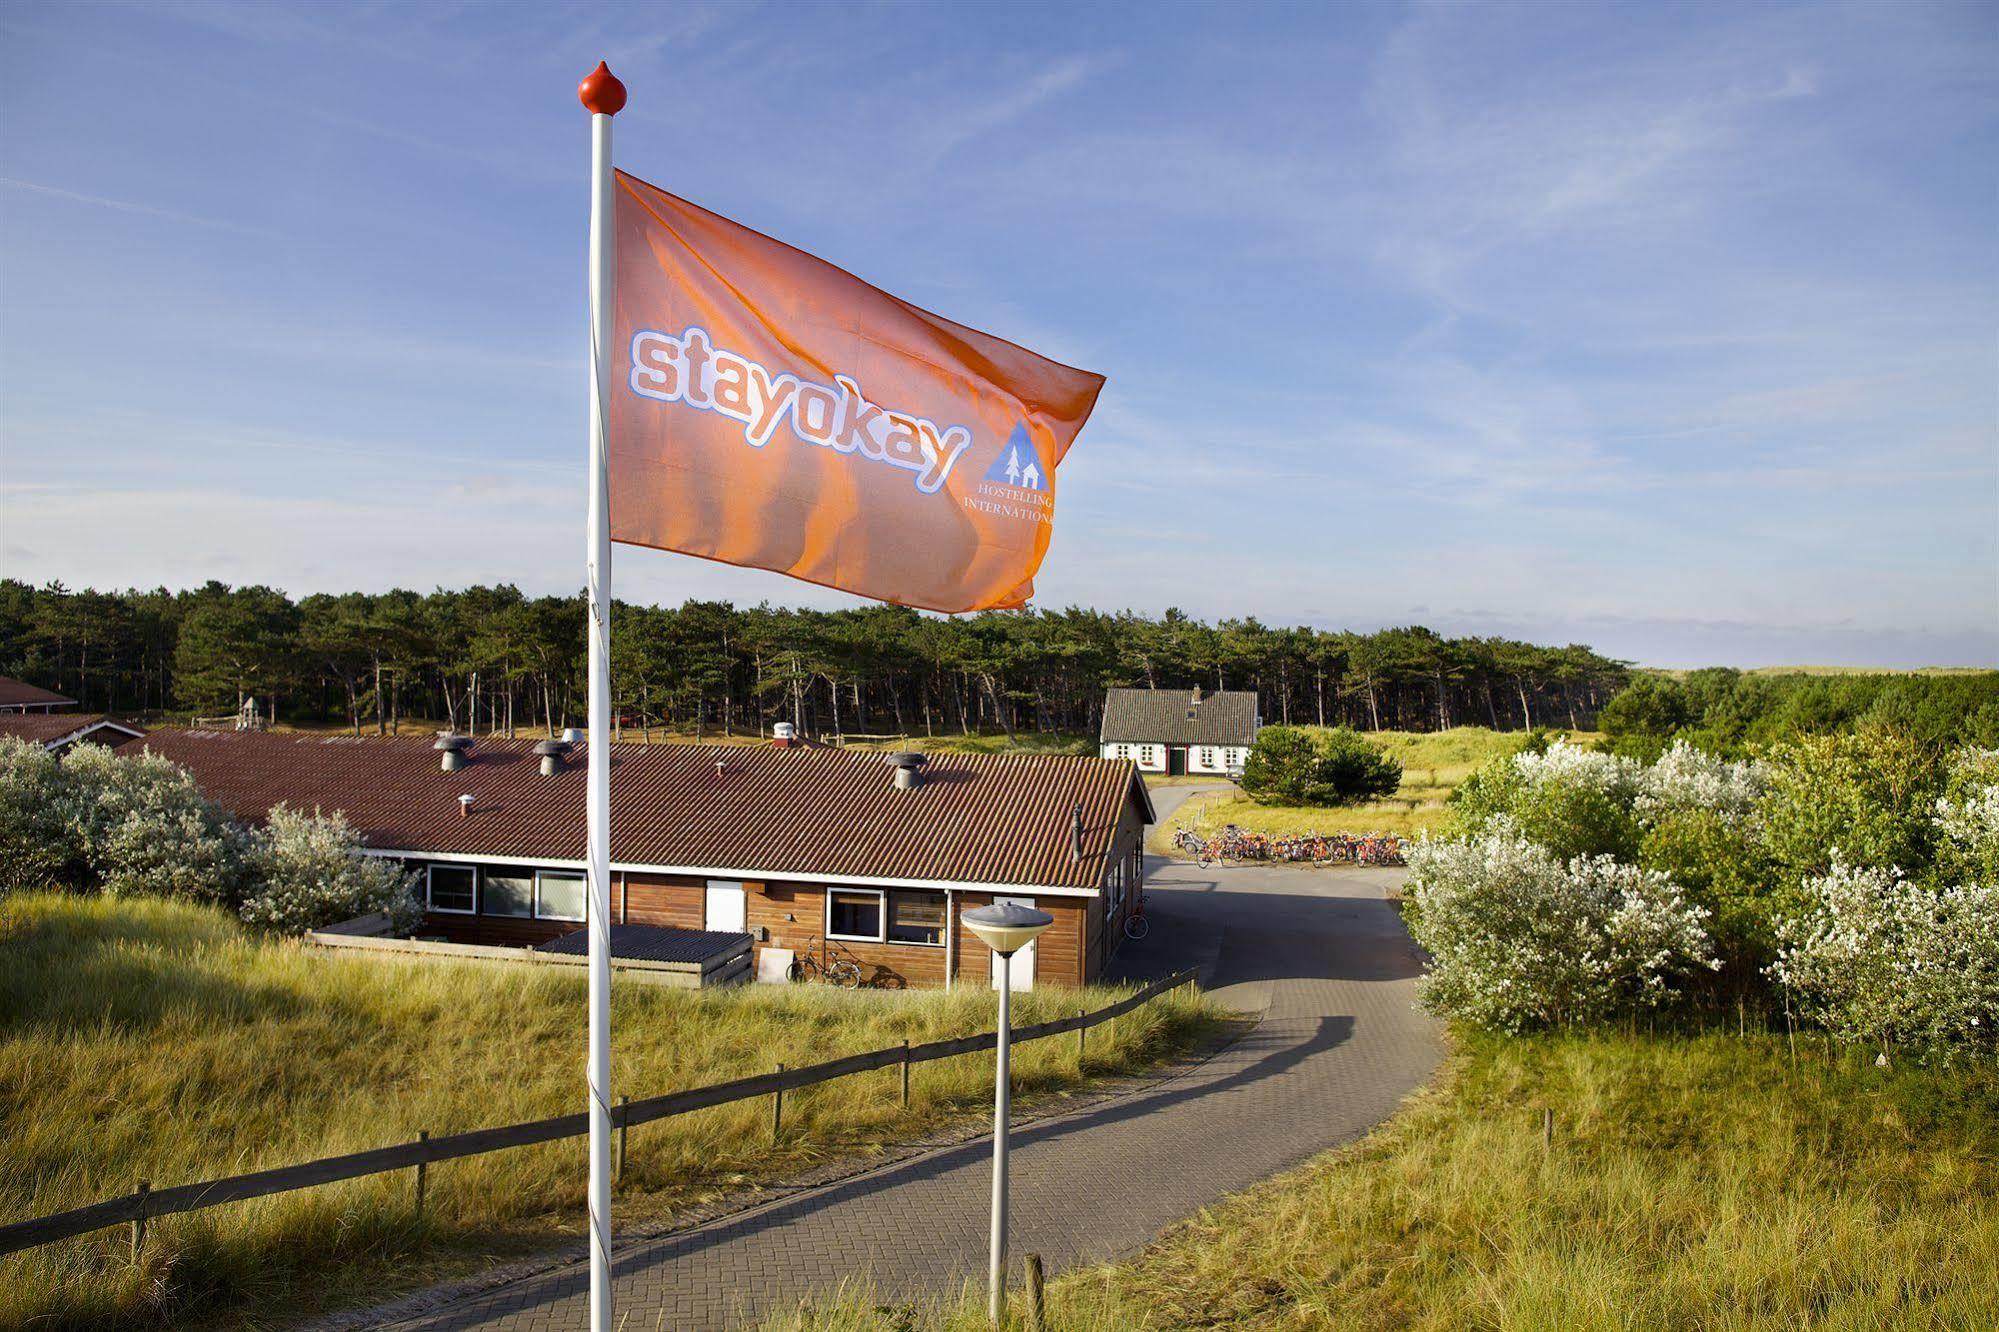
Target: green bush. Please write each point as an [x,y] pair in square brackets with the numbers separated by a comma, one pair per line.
[1289,766]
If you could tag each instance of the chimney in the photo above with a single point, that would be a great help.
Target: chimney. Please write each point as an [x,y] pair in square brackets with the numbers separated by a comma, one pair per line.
[465,806]
[551,753]
[451,750]
[1076,832]
[783,735]
[1197,693]
[908,769]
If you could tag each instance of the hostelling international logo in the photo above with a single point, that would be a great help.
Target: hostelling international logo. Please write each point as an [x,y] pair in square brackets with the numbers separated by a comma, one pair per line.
[1017,484]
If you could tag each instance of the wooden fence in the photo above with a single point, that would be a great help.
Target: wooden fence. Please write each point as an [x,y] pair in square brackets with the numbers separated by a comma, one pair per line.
[139,1207]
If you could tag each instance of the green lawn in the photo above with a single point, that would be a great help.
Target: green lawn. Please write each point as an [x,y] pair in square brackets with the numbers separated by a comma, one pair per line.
[1433,763]
[1703,1182]
[141,1039]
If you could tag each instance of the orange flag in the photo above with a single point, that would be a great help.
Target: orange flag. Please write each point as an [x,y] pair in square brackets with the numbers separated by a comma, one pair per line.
[771,410]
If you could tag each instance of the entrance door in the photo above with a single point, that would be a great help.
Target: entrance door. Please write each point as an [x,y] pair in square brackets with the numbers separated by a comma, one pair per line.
[1176,761]
[727,907]
[1023,961]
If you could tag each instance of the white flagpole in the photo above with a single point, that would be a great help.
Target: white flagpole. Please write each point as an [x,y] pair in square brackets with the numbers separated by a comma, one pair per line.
[604,96]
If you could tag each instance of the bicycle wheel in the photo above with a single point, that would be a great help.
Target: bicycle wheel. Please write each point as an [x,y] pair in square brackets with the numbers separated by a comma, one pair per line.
[1136,927]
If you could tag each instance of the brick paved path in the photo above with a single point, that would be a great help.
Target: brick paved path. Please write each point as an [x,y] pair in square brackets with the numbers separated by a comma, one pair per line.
[1319,952]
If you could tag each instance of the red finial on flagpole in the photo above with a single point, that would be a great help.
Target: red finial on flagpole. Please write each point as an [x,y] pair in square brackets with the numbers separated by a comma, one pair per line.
[601,92]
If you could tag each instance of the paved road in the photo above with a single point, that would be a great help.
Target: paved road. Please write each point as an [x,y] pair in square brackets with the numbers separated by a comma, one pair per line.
[1320,953]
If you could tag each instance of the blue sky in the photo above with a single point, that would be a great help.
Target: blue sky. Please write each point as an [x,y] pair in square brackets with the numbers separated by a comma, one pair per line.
[1666,328]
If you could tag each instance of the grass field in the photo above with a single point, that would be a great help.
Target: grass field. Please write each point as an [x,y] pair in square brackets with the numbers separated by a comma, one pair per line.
[1691,1182]
[1433,763]
[147,1040]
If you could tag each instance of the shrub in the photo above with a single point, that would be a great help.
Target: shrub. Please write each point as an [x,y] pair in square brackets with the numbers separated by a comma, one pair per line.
[1967,819]
[1573,801]
[1877,956]
[309,871]
[1866,799]
[143,826]
[1287,766]
[38,847]
[1520,938]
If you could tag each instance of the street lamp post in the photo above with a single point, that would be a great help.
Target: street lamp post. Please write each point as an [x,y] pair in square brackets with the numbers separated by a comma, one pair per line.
[1006,928]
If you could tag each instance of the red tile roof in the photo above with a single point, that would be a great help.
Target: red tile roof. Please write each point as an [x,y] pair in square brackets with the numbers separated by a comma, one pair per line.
[19,693]
[42,728]
[977,818]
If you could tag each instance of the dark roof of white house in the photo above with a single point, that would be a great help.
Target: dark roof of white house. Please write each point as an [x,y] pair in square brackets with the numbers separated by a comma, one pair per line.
[1179,717]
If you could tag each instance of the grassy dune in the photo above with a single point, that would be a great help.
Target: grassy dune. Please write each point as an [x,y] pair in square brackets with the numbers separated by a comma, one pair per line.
[1433,763]
[148,1040]
[1692,1182]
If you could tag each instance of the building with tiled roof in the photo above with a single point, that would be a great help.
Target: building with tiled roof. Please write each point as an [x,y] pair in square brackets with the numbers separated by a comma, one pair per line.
[1179,730]
[824,853]
[20,696]
[57,731]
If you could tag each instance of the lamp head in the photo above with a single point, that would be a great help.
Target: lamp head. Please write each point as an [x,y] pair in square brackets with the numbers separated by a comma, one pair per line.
[1007,927]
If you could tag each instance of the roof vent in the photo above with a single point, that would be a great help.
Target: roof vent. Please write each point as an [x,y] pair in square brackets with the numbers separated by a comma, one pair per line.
[465,806]
[573,735]
[451,750]
[909,767]
[1197,694]
[1076,832]
[551,753]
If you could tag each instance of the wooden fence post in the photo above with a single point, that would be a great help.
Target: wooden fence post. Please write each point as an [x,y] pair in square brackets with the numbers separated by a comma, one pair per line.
[422,1171]
[777,1111]
[905,1073]
[1547,1127]
[624,1128]
[139,1221]
[1082,1042]
[1037,1309]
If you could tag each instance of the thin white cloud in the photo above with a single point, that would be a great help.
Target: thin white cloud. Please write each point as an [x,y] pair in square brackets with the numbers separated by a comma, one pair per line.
[127,206]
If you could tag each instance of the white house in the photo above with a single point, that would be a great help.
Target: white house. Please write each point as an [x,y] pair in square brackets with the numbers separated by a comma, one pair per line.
[1179,731]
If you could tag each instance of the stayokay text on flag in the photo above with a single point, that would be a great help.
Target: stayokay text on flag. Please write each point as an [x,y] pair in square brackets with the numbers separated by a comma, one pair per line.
[771,410]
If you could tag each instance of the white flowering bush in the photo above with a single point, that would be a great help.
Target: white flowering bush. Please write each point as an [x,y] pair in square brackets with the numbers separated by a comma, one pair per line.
[1687,779]
[38,847]
[1574,801]
[1519,937]
[1880,957]
[144,827]
[1967,818]
[1610,775]
[309,871]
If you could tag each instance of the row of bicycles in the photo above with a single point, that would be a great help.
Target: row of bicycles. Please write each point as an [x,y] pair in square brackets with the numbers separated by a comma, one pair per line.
[1233,845]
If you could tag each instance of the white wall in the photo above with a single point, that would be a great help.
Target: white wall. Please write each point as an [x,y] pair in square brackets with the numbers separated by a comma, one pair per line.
[1215,758]
[1150,758]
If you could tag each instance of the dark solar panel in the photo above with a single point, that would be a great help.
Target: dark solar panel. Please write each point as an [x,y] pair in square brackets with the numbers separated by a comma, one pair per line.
[651,943]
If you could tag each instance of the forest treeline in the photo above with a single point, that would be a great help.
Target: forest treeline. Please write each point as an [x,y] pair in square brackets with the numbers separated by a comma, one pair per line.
[490,658]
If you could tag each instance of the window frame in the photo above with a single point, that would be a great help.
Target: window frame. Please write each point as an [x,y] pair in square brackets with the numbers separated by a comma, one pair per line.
[943,921]
[429,898]
[571,876]
[881,915]
[484,899]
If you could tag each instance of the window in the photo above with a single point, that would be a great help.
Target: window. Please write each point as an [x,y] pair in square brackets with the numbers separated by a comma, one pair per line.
[559,895]
[454,888]
[509,894]
[916,918]
[854,913]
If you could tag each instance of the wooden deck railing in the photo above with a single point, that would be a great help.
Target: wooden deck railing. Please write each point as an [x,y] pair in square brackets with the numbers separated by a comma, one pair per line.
[148,1203]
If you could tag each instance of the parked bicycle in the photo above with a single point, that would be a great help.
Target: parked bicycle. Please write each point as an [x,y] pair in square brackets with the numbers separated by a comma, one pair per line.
[1233,844]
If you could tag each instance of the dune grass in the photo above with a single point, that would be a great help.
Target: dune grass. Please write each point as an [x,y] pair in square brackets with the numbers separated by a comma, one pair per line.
[1433,763]
[1698,1182]
[141,1039]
